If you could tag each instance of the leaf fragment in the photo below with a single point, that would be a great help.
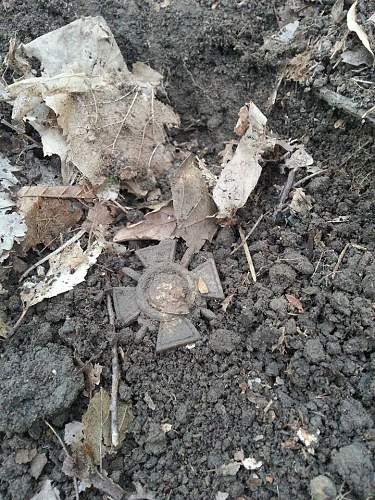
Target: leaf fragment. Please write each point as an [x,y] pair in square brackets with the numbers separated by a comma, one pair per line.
[47,492]
[354,26]
[295,302]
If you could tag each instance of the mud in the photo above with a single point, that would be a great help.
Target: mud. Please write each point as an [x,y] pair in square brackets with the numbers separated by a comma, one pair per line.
[262,370]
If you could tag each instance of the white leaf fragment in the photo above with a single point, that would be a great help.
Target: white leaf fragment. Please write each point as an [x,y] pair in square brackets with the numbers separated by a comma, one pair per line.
[251,463]
[12,225]
[220,495]
[353,25]
[166,428]
[73,432]
[241,174]
[308,439]
[47,492]
[67,269]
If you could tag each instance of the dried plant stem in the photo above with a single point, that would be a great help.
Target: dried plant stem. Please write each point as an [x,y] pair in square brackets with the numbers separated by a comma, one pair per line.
[248,255]
[115,377]
[73,239]
[67,454]
[249,233]
[339,260]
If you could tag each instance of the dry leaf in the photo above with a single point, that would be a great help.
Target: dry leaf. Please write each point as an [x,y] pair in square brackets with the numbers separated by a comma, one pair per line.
[353,25]
[67,269]
[298,67]
[97,425]
[308,439]
[357,57]
[48,492]
[92,374]
[296,303]
[47,218]
[227,154]
[251,463]
[202,287]
[37,465]
[230,469]
[157,225]
[227,302]
[241,174]
[166,428]
[220,495]
[243,121]
[193,206]
[301,202]
[90,110]
[300,158]
[76,192]
[100,214]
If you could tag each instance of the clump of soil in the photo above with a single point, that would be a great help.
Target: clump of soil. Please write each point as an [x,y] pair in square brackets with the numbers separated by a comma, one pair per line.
[263,370]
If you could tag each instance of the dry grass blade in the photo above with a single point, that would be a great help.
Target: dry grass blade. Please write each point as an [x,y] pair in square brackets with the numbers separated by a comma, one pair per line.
[248,255]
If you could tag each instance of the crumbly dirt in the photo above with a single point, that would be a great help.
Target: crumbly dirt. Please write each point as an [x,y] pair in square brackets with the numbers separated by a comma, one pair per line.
[263,370]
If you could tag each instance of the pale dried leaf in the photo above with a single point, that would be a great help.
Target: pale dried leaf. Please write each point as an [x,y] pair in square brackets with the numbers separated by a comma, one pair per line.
[7,179]
[157,225]
[301,202]
[239,456]
[298,67]
[166,428]
[230,469]
[47,492]
[73,432]
[357,57]
[67,269]
[227,153]
[193,206]
[251,463]
[220,495]
[37,465]
[300,158]
[149,402]
[202,286]
[357,28]
[308,439]
[241,174]
[100,215]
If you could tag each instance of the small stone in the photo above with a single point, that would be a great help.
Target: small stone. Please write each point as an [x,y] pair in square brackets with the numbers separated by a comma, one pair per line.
[322,488]
[354,464]
[299,262]
[313,351]
[224,341]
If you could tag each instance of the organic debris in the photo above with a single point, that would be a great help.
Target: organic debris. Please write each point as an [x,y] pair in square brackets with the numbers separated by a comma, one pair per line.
[67,269]
[37,465]
[308,439]
[233,467]
[91,110]
[295,302]
[354,26]
[12,225]
[47,492]
[240,175]
[167,292]
[92,374]
[301,202]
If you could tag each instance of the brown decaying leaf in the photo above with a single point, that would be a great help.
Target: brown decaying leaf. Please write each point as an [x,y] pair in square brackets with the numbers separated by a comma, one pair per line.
[76,192]
[298,68]
[193,206]
[100,214]
[92,374]
[243,121]
[47,218]
[295,302]
[157,225]
[301,202]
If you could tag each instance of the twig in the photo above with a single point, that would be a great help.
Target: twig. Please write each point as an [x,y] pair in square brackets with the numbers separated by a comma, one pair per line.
[286,189]
[344,103]
[74,238]
[249,233]
[308,177]
[339,260]
[115,376]
[124,120]
[67,454]
[248,255]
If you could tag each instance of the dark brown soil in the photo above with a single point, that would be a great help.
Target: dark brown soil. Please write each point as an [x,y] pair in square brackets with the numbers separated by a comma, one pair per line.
[279,370]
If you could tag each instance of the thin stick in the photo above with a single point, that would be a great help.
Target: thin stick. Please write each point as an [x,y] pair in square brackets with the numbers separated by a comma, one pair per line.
[115,376]
[74,238]
[248,255]
[308,177]
[249,233]
[67,454]
[339,260]
[124,120]
[287,187]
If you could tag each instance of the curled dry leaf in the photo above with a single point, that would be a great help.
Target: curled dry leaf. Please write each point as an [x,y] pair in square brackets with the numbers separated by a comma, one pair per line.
[47,492]
[91,110]
[67,269]
[241,174]
[300,158]
[295,302]
[301,202]
[193,206]
[159,225]
[354,26]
